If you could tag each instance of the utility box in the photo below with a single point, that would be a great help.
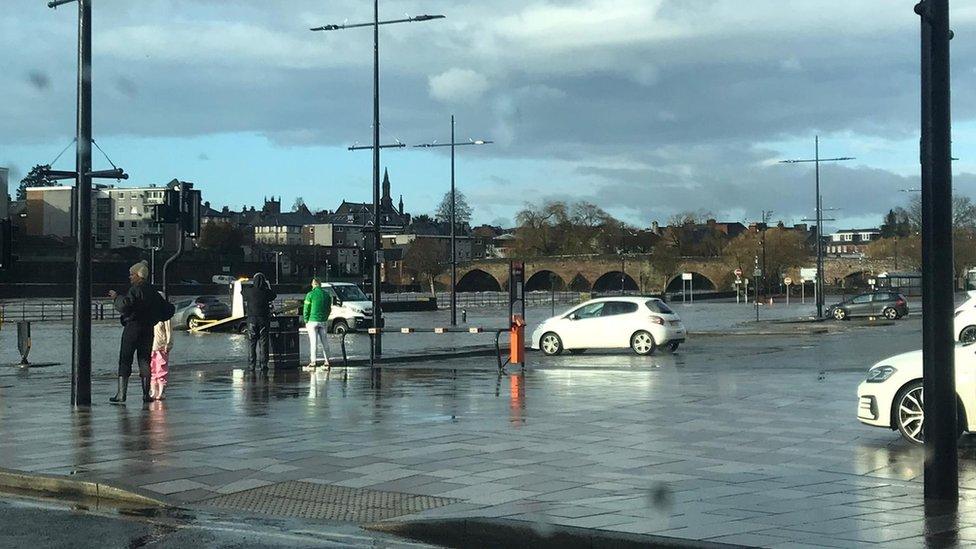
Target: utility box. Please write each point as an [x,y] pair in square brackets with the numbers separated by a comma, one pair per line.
[283,342]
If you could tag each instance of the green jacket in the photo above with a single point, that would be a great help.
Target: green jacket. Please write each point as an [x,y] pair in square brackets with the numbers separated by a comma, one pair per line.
[318,305]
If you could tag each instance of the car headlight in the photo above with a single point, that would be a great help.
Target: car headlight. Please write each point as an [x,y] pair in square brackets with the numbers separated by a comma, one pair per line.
[880,373]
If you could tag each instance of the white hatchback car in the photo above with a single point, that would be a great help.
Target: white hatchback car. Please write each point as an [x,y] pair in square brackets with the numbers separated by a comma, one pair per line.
[965,320]
[891,395]
[641,323]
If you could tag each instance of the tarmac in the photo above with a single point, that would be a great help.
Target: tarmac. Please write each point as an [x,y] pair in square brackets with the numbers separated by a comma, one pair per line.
[732,440]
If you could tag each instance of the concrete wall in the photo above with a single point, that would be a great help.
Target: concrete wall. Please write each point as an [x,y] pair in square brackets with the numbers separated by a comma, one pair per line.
[49,211]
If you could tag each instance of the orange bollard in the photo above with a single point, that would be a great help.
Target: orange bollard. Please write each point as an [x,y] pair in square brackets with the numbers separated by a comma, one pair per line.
[517,341]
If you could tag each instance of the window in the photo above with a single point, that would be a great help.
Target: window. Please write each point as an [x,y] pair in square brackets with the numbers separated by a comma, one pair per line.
[134,224]
[619,308]
[135,240]
[658,306]
[121,210]
[848,237]
[866,298]
[121,240]
[592,310]
[121,224]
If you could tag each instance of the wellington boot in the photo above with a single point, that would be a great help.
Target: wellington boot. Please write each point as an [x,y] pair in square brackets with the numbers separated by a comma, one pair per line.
[145,389]
[119,397]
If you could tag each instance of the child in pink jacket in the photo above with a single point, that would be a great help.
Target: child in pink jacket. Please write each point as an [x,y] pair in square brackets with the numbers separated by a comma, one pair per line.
[159,364]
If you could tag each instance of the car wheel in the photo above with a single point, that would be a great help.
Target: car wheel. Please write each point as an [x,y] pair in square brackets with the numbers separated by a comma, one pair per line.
[643,343]
[673,346]
[577,351]
[909,412]
[890,313]
[968,334]
[840,314]
[194,322]
[550,344]
[340,327]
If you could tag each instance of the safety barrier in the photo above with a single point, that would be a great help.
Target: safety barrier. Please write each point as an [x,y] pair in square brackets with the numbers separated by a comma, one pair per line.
[516,340]
[27,311]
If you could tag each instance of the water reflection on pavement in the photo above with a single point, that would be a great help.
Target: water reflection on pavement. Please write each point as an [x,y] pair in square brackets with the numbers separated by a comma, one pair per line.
[749,440]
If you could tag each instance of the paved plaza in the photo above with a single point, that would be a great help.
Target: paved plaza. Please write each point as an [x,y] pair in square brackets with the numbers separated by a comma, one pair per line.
[746,440]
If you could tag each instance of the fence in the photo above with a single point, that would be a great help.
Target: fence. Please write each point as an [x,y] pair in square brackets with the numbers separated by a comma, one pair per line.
[36,311]
[487,299]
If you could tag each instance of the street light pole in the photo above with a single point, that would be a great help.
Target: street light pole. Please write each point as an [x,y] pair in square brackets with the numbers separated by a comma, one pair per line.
[818,284]
[453,220]
[377,241]
[939,425]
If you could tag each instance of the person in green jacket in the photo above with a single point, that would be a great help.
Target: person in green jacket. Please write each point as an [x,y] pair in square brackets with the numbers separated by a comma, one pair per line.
[318,306]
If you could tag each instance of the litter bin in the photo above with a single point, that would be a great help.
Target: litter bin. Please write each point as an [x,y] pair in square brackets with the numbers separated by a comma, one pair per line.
[283,342]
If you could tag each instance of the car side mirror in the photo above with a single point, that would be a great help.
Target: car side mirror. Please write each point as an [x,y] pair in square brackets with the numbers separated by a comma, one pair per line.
[574,316]
[337,302]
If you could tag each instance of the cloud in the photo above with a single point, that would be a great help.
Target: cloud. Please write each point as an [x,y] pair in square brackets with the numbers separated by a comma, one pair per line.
[458,86]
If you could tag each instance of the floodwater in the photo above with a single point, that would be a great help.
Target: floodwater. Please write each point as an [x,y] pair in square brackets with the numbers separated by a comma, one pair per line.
[51,341]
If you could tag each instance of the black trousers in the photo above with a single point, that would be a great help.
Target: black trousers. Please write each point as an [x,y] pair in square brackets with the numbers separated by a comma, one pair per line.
[136,340]
[257,338]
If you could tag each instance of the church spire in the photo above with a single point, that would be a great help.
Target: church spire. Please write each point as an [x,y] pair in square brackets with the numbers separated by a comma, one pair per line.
[401,204]
[387,200]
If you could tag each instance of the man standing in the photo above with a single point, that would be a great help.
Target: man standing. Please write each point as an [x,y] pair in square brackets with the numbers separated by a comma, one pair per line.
[316,310]
[257,307]
[138,310]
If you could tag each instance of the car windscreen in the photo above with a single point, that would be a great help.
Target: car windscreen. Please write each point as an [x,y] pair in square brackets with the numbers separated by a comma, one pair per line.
[350,293]
[207,299]
[658,306]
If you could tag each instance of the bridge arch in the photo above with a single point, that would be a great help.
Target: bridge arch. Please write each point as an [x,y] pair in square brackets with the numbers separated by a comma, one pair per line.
[477,280]
[698,282]
[614,281]
[579,283]
[544,280]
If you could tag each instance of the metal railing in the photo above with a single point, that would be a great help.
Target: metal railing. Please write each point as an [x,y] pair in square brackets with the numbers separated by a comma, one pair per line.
[39,311]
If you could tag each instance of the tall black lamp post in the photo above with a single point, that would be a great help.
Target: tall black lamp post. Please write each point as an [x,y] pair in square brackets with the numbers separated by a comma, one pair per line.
[377,243]
[452,145]
[83,175]
[940,423]
[816,161]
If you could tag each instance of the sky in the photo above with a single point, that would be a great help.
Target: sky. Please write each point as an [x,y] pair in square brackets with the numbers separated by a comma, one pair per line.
[645,107]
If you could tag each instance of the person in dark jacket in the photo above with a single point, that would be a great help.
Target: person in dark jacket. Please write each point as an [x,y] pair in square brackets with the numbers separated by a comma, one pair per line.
[138,310]
[257,308]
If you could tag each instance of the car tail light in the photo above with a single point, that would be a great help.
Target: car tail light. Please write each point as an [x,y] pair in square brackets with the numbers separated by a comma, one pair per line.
[900,301]
[657,320]
[201,305]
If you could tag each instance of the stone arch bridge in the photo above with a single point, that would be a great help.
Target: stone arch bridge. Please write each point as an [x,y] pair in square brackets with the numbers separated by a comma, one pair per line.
[636,272]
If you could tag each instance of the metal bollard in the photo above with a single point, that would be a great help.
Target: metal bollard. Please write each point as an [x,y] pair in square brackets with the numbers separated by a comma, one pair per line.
[464,315]
[24,341]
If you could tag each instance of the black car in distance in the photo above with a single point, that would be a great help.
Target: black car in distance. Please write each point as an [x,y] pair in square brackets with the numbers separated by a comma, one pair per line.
[889,304]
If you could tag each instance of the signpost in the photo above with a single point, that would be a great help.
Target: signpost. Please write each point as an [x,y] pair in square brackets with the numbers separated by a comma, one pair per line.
[738,282]
[687,277]
[808,274]
[788,281]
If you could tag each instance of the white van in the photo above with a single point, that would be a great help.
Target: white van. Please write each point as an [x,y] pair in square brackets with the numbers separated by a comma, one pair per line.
[223,279]
[351,309]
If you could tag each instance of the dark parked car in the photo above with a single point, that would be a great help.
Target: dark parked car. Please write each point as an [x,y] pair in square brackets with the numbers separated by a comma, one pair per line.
[888,304]
[205,307]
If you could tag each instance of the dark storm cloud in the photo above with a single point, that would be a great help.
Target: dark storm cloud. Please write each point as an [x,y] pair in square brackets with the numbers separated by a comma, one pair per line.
[673,96]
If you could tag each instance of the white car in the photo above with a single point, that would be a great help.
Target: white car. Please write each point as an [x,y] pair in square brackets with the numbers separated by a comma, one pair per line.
[641,323]
[351,308]
[965,320]
[891,395]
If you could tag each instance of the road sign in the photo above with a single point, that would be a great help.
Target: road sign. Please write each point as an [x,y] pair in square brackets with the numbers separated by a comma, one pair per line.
[808,274]
[685,276]
[787,281]
[738,273]
[757,273]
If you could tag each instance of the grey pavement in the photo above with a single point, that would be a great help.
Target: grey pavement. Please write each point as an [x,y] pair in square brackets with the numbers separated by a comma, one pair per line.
[744,440]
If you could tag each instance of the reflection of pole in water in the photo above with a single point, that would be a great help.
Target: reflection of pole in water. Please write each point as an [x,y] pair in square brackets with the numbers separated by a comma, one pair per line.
[83,437]
[516,393]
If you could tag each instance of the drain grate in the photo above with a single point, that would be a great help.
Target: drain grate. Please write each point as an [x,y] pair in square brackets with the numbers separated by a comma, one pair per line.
[327,501]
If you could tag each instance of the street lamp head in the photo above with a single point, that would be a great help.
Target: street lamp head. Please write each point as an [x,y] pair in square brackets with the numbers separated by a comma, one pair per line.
[427,17]
[326,28]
